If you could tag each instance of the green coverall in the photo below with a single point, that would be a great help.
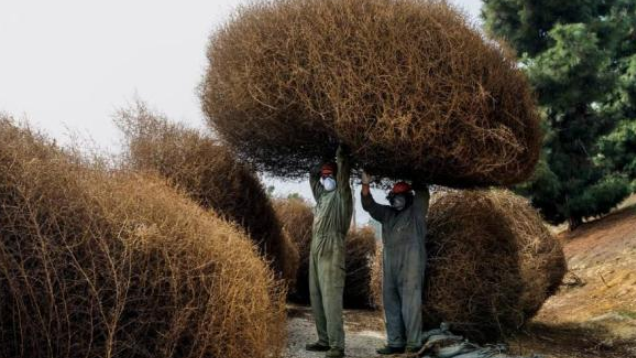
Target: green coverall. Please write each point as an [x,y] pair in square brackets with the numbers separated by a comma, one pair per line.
[327,254]
[404,260]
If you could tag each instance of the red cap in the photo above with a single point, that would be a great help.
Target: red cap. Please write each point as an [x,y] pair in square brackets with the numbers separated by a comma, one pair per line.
[328,168]
[401,188]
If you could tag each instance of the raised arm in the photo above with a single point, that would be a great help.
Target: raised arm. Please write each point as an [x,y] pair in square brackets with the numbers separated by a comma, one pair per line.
[377,211]
[343,160]
[422,198]
[314,182]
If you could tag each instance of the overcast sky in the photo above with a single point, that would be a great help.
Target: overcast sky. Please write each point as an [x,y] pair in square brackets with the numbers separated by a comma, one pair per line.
[67,65]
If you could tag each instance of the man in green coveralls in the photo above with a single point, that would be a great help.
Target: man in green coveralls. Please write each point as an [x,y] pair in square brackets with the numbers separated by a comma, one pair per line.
[404,261]
[334,208]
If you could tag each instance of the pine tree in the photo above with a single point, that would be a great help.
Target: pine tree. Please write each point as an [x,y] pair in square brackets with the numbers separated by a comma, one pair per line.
[577,55]
[617,151]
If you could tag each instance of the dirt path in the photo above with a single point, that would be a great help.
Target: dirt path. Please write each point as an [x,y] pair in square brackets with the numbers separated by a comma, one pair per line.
[362,329]
[365,333]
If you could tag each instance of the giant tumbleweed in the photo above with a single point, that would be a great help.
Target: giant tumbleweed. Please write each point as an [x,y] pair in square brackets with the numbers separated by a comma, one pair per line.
[410,86]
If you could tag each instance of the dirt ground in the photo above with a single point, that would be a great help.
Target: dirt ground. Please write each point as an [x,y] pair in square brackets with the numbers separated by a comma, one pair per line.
[593,315]
[364,333]
[596,306]
[601,283]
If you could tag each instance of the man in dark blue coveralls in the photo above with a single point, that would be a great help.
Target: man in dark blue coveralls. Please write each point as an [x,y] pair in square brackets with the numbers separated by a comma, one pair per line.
[404,261]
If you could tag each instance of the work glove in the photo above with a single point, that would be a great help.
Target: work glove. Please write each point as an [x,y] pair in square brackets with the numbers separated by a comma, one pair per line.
[366,178]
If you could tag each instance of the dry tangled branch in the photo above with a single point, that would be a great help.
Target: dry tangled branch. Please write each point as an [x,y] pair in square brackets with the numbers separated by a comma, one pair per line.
[409,85]
[297,219]
[360,253]
[211,176]
[492,263]
[107,264]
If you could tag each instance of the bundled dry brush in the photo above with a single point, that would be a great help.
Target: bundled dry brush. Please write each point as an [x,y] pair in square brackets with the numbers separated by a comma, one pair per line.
[377,277]
[409,85]
[542,263]
[99,264]
[360,253]
[492,263]
[211,175]
[297,218]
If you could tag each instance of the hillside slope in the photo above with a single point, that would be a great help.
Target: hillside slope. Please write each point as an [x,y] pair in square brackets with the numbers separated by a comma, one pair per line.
[601,285]
[594,313]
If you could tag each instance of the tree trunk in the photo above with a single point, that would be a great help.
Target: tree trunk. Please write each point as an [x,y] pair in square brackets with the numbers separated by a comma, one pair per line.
[575,222]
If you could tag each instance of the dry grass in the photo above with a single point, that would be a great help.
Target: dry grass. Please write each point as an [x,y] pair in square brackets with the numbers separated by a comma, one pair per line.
[409,85]
[297,218]
[210,174]
[492,263]
[98,264]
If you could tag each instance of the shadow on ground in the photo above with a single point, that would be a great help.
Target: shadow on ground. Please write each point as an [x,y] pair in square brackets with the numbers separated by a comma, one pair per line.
[571,341]
[365,332]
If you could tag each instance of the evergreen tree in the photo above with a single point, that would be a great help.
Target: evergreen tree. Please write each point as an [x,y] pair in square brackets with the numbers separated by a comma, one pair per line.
[617,151]
[578,56]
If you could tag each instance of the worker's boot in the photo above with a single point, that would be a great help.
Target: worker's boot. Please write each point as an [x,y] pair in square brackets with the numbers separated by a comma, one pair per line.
[388,350]
[335,353]
[316,347]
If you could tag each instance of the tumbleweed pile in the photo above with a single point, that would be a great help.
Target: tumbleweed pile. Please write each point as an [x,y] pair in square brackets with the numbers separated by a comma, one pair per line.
[376,278]
[99,264]
[297,218]
[360,253]
[492,263]
[210,174]
[410,86]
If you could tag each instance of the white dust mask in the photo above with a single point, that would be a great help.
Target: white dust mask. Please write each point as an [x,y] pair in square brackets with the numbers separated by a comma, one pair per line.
[328,183]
